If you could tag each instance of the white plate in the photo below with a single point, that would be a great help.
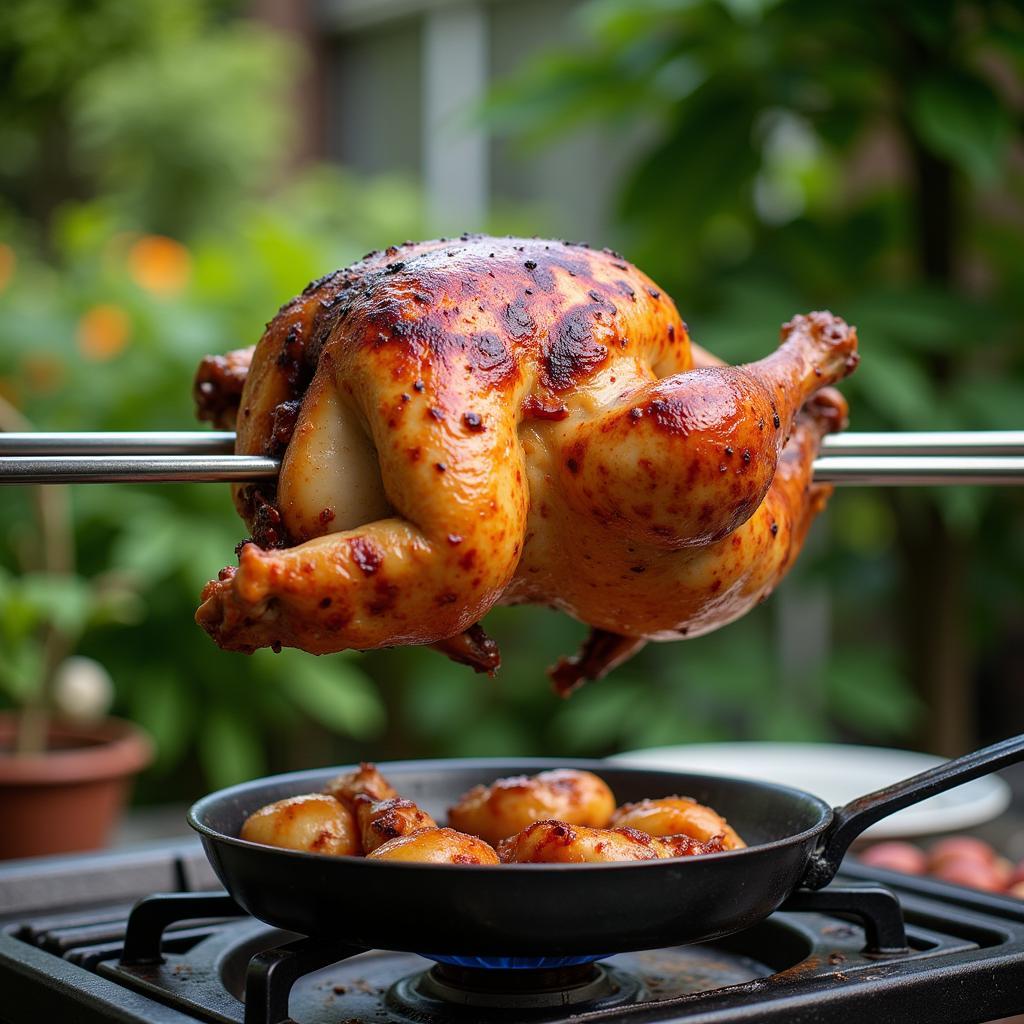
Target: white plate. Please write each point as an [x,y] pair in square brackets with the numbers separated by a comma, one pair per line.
[838,773]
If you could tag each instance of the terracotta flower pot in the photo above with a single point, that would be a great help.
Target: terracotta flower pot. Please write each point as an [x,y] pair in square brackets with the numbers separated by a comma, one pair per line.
[69,798]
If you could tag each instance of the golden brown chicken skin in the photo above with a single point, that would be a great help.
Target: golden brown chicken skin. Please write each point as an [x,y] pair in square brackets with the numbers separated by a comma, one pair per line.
[509,805]
[479,421]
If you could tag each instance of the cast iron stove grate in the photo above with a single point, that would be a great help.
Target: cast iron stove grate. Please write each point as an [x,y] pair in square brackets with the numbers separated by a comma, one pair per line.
[963,961]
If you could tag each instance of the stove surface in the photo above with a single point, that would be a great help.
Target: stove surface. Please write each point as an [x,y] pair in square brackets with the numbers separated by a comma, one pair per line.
[63,923]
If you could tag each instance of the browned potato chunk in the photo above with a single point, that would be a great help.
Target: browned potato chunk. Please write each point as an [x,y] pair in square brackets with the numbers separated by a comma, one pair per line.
[362,781]
[383,820]
[436,846]
[677,815]
[507,806]
[558,842]
[315,822]
[685,846]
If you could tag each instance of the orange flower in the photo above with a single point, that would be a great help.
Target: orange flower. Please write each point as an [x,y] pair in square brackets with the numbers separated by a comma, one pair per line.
[159,264]
[103,332]
[7,261]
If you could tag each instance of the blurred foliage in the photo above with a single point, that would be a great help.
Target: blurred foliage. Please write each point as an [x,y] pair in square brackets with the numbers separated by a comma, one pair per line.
[723,686]
[171,108]
[156,243]
[866,158]
[147,221]
[118,322]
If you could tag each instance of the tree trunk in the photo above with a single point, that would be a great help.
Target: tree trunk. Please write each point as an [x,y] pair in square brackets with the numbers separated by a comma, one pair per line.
[934,560]
[934,580]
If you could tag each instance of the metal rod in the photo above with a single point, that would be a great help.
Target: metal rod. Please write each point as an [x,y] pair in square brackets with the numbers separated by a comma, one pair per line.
[919,471]
[118,469]
[889,471]
[211,442]
[926,442]
[135,442]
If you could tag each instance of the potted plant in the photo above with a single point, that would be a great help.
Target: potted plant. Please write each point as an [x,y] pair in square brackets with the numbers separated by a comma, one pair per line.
[65,765]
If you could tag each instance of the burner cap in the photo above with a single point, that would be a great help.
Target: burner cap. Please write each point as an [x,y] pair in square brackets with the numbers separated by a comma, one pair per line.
[447,985]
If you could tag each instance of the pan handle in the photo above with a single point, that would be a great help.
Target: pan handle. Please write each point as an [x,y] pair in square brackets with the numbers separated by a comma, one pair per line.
[853,818]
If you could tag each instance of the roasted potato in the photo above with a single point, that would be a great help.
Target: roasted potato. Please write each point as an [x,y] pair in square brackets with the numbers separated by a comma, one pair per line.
[507,806]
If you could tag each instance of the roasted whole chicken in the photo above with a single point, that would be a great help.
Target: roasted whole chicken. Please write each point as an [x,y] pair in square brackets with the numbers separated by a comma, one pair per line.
[482,421]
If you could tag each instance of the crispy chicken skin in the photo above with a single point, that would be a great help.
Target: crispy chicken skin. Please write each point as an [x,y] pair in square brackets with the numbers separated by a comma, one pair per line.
[675,816]
[479,421]
[508,805]
[316,823]
[558,842]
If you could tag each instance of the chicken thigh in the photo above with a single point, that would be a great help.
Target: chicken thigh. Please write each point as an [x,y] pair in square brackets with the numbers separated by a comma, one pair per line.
[477,421]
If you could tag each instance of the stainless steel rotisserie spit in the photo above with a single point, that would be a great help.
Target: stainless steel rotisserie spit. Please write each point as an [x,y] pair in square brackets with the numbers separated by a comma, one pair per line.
[919,458]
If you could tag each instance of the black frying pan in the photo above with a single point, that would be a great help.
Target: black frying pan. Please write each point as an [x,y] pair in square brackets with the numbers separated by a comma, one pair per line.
[795,839]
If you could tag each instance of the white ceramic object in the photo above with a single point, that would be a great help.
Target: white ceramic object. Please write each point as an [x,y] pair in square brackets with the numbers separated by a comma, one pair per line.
[838,773]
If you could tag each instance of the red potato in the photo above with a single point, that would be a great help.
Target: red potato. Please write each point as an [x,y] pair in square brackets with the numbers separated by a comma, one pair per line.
[1017,875]
[1004,870]
[1016,890]
[971,873]
[958,848]
[896,856]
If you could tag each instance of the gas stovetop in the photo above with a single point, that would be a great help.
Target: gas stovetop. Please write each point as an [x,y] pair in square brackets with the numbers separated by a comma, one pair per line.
[73,951]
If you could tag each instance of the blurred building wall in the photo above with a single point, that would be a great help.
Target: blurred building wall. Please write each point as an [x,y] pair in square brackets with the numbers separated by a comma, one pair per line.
[402,80]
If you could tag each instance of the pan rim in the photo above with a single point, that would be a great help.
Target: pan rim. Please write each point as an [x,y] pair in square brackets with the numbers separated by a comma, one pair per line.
[543,763]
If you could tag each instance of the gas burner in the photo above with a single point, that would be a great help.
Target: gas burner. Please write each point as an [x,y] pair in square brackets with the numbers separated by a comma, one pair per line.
[276,975]
[433,994]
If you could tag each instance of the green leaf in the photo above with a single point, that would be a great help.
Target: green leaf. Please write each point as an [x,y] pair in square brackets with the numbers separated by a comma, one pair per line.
[21,672]
[783,723]
[439,701]
[493,737]
[229,750]
[897,387]
[920,320]
[862,521]
[337,695]
[153,546]
[866,691]
[163,707]
[66,601]
[959,117]
[593,720]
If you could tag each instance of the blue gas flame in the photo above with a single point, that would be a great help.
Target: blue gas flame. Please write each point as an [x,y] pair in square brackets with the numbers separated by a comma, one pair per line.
[514,963]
